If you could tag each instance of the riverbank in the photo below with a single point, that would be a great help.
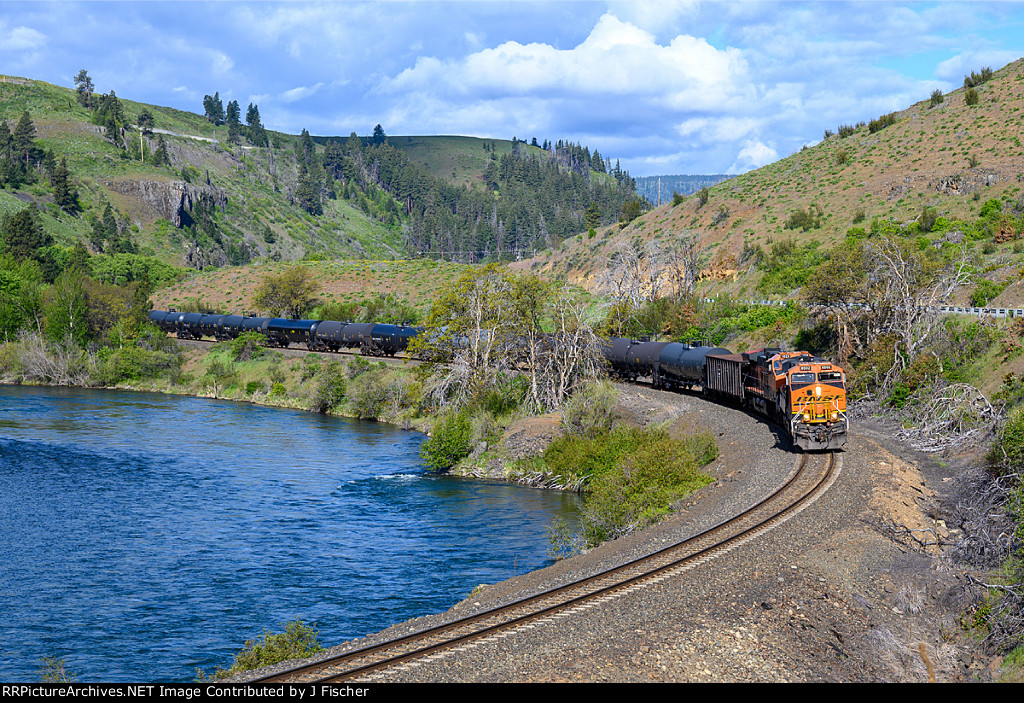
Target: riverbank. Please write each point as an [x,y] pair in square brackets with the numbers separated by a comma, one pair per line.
[176,528]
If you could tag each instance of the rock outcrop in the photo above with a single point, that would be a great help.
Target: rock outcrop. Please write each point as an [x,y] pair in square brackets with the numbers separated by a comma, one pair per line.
[170,200]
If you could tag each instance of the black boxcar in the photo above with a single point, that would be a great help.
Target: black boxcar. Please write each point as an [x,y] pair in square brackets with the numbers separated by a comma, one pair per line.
[723,375]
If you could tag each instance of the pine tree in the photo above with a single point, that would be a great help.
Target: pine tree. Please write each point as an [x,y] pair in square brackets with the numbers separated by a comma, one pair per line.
[145,121]
[84,88]
[23,235]
[254,131]
[63,193]
[233,118]
[213,108]
[23,139]
[160,157]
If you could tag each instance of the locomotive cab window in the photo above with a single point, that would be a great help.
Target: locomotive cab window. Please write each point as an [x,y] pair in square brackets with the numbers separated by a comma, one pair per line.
[830,376]
[801,379]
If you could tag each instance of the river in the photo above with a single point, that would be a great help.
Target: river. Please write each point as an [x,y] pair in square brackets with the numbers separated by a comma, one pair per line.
[146,536]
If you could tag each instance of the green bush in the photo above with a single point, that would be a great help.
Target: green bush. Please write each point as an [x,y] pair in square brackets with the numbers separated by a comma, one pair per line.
[131,363]
[789,265]
[805,220]
[368,394]
[1007,453]
[882,122]
[297,641]
[984,291]
[328,387]
[636,488]
[588,412]
[248,346]
[504,397]
[449,442]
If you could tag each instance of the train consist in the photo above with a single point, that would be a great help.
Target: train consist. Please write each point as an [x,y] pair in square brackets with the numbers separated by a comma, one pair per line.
[318,335]
[803,394]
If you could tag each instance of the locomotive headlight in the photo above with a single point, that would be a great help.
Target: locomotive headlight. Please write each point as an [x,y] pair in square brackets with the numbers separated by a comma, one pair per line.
[817,391]
[807,417]
[835,414]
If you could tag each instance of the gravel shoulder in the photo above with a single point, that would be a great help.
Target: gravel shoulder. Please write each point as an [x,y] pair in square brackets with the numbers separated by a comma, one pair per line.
[849,590]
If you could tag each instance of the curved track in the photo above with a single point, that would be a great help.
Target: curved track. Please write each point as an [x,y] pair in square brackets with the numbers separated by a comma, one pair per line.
[812,475]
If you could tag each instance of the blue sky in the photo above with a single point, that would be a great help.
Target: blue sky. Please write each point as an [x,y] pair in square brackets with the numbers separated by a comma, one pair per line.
[666,87]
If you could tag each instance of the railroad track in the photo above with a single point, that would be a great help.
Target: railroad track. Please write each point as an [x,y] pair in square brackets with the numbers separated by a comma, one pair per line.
[811,477]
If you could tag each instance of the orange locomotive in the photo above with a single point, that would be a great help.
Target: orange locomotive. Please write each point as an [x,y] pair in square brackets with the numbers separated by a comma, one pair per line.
[801,392]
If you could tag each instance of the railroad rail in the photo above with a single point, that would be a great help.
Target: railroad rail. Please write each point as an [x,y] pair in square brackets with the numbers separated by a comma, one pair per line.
[811,477]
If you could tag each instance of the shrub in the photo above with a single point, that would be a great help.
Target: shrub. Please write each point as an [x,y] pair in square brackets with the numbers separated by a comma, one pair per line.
[588,412]
[1007,452]
[882,122]
[247,346]
[328,388]
[984,291]
[805,219]
[721,216]
[936,98]
[368,393]
[651,473]
[976,79]
[928,218]
[297,641]
[53,670]
[132,364]
[971,96]
[449,442]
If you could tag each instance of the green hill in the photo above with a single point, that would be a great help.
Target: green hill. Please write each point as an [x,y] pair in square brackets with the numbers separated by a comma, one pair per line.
[252,188]
[928,171]
[195,191]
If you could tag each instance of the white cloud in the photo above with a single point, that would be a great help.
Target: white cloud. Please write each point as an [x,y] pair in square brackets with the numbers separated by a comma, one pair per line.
[617,58]
[754,154]
[21,39]
[718,129]
[299,93]
[954,69]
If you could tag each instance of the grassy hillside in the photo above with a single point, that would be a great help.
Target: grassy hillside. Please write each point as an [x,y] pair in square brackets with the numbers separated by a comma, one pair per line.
[951,157]
[258,210]
[232,289]
[459,160]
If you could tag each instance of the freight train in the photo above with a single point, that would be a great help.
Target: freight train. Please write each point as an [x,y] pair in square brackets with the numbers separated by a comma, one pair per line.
[803,394]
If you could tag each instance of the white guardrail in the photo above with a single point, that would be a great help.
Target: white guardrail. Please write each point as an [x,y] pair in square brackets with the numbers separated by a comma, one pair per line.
[947,309]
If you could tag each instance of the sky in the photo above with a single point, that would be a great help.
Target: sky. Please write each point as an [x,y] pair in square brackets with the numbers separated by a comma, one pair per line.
[664,87]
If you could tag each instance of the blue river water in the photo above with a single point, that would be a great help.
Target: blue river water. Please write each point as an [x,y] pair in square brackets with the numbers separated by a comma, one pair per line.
[144,536]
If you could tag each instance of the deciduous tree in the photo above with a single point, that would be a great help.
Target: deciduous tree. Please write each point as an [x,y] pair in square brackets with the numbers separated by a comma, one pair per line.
[292,293]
